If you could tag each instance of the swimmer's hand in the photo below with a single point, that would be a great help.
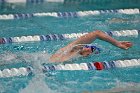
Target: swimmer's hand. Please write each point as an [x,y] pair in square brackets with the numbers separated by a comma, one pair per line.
[125,44]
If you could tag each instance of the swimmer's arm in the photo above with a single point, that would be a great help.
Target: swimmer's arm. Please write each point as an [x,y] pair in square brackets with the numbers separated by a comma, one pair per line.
[90,37]
[53,58]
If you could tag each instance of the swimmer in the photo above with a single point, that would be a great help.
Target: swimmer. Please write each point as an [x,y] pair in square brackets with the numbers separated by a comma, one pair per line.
[81,47]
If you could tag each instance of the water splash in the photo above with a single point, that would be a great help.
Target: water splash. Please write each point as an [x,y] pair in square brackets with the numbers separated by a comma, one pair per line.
[37,84]
[7,58]
[35,58]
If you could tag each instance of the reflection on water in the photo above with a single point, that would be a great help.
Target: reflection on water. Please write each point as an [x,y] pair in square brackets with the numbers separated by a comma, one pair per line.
[123,87]
[122,20]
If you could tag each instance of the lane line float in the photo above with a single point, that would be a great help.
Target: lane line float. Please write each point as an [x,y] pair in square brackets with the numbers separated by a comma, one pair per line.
[25,71]
[51,37]
[67,14]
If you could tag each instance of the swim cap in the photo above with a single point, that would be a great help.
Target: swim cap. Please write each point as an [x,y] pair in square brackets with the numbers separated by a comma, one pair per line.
[94,49]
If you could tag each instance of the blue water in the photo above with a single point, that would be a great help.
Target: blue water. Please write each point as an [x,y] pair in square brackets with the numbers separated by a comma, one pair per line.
[36,53]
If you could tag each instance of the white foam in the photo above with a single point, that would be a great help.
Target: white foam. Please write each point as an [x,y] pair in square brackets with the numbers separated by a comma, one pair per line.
[37,84]
[15,1]
[7,58]
[55,1]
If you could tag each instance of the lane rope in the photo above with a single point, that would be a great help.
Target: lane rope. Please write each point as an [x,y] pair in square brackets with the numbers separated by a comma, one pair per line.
[67,14]
[51,37]
[25,71]
[53,1]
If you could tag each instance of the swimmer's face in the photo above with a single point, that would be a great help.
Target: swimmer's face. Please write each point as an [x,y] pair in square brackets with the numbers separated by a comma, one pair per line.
[85,52]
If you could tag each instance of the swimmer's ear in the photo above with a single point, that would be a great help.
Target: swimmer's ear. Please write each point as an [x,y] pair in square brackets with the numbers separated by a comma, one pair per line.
[76,48]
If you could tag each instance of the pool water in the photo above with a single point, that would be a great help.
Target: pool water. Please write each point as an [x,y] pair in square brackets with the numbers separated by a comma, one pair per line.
[35,53]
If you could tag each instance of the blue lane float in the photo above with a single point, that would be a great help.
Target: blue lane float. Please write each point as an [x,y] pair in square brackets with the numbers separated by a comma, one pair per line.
[25,71]
[23,16]
[35,1]
[51,37]
[67,14]
[23,1]
[53,1]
